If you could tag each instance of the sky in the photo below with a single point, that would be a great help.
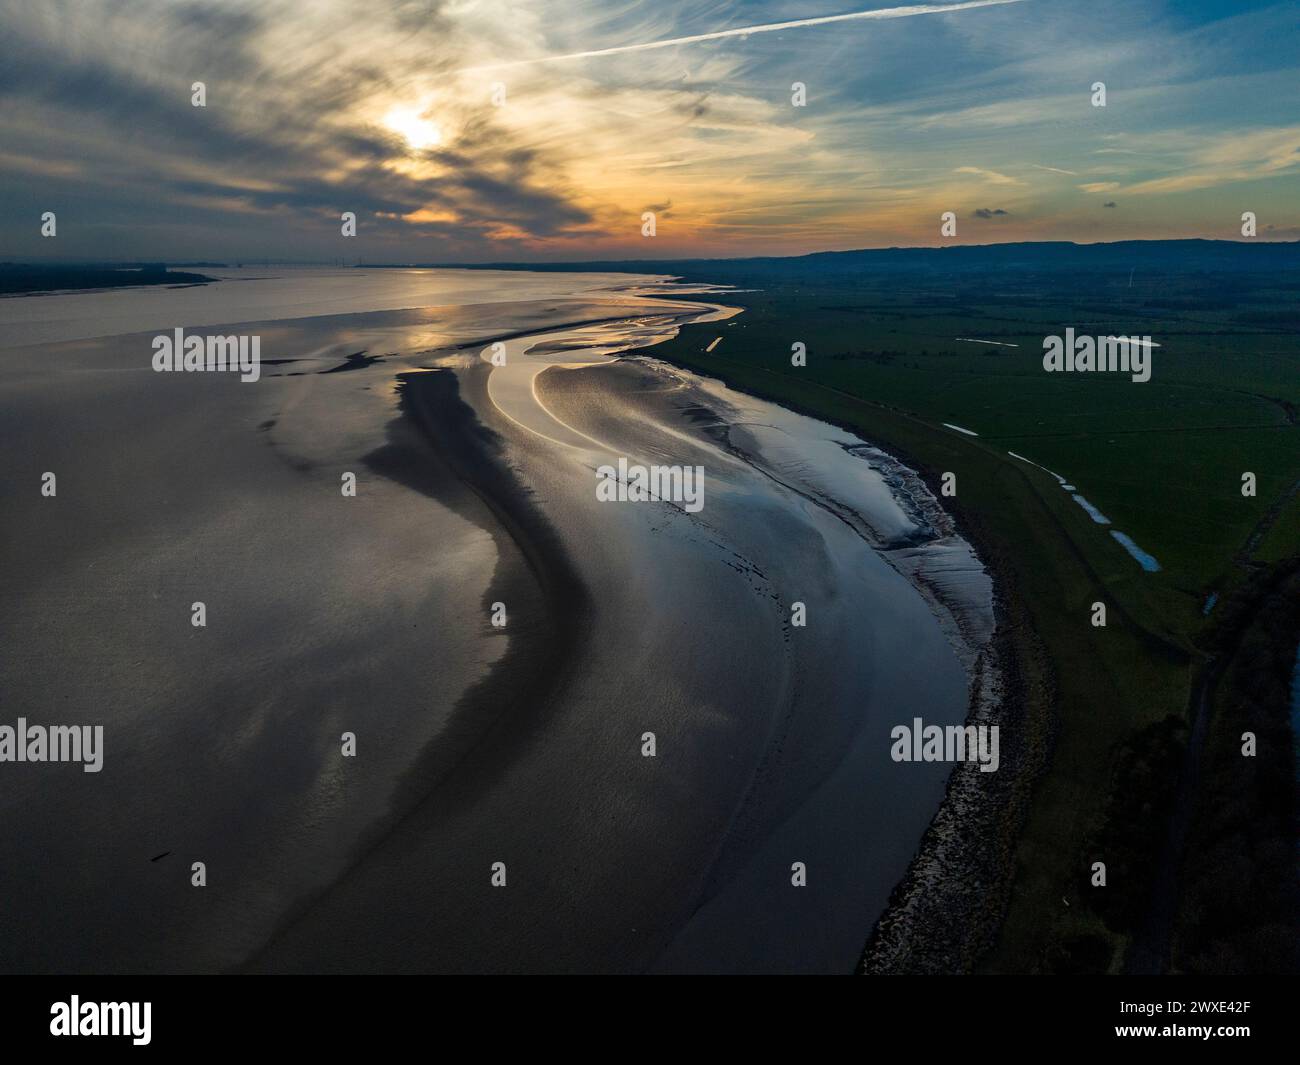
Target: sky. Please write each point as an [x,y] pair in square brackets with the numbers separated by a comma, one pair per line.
[481,130]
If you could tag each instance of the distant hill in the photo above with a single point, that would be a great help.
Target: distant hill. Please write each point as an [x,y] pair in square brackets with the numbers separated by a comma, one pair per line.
[1163,256]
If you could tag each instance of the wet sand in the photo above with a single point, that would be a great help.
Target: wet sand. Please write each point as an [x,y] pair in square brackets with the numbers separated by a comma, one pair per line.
[477,745]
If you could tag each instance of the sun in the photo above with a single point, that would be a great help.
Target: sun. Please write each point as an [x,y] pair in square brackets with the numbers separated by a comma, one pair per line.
[418,131]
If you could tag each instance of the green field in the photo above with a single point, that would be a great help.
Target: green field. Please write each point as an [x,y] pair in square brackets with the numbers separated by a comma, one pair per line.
[1163,459]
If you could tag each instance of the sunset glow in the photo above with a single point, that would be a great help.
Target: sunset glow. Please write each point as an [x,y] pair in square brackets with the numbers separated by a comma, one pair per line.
[457,133]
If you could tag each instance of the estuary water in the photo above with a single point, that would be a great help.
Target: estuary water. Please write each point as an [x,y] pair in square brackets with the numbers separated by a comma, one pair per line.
[648,765]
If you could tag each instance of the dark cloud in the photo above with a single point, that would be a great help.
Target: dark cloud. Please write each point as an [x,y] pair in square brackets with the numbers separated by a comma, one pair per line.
[986,212]
[1109,203]
[102,97]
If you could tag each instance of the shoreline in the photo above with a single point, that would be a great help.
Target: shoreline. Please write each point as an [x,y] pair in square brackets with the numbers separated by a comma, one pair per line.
[944,915]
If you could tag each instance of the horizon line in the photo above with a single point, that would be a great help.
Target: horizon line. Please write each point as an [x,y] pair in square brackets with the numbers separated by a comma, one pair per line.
[261,260]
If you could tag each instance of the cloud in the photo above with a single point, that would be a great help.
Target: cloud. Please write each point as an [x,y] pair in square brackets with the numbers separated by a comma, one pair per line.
[989,175]
[1109,203]
[96,123]
[748,31]
[1206,162]
[294,126]
[985,212]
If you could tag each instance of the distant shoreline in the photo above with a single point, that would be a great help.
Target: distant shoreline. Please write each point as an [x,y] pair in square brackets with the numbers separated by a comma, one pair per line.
[27,279]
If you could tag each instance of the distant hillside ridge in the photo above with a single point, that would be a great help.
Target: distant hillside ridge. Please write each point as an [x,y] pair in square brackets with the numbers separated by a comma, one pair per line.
[1163,256]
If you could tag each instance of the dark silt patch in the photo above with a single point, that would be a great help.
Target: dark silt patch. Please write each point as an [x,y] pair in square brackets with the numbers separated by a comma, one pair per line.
[358,360]
[439,448]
